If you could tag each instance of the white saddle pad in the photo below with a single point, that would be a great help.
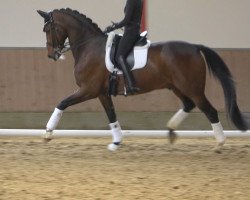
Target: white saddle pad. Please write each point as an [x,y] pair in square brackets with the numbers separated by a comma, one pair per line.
[140,55]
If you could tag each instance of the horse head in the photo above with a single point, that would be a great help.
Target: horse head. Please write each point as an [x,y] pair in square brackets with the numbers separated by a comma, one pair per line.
[67,23]
[55,34]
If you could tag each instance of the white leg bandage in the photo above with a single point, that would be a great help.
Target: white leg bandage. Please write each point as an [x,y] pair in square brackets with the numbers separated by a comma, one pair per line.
[116,131]
[54,119]
[177,119]
[218,133]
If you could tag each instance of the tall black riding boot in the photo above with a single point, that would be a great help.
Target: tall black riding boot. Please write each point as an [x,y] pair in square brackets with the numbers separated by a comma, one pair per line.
[128,76]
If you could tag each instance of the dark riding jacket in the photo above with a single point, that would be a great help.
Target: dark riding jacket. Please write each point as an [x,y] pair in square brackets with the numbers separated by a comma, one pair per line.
[132,24]
[133,14]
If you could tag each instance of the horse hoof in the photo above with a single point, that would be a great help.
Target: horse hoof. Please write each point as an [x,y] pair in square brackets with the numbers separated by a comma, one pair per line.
[47,140]
[47,136]
[221,143]
[172,136]
[113,147]
[218,149]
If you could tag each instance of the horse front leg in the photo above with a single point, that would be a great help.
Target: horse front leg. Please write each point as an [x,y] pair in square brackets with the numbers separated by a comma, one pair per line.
[114,125]
[73,99]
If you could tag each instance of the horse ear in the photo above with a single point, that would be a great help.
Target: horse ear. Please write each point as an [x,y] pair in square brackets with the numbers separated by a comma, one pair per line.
[45,15]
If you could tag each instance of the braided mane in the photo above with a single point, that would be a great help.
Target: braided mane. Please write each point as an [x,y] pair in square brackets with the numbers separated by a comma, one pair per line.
[81,18]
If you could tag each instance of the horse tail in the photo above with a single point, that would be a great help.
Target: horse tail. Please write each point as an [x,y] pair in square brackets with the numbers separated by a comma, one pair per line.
[220,70]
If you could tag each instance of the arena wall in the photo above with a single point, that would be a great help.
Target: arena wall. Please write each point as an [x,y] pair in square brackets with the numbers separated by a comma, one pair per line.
[30,82]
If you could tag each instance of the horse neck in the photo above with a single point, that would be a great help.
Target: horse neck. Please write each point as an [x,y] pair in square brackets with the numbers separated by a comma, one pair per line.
[83,41]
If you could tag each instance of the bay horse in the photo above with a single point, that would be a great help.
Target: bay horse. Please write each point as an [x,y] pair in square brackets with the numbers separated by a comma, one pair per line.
[175,65]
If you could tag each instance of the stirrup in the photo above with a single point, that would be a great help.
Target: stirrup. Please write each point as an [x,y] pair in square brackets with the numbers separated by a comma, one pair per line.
[130,90]
[133,90]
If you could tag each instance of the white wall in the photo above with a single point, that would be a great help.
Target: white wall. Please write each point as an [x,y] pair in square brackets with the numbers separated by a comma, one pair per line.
[21,26]
[216,23]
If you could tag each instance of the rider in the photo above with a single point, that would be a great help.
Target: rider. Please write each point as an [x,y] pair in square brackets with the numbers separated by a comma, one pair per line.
[131,24]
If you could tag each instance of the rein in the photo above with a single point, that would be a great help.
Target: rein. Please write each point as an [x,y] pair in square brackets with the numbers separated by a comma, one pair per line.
[67,46]
[54,43]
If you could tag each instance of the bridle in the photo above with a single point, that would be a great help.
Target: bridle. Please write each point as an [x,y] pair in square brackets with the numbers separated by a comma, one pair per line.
[58,48]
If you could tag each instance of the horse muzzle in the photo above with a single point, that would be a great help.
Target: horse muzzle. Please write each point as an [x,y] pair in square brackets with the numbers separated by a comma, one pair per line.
[55,56]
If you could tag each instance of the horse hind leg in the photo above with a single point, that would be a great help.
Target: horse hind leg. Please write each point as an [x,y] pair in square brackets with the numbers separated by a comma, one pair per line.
[180,116]
[211,113]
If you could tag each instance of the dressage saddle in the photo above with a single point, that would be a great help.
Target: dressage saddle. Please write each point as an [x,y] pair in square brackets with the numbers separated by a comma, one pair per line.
[142,41]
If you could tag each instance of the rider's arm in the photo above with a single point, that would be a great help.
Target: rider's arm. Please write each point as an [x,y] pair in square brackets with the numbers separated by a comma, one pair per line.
[130,6]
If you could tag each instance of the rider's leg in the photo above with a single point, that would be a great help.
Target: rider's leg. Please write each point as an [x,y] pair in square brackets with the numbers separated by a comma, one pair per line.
[126,44]
[128,76]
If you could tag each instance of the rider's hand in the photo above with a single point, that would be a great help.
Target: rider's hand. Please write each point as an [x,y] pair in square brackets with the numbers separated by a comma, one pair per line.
[110,28]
